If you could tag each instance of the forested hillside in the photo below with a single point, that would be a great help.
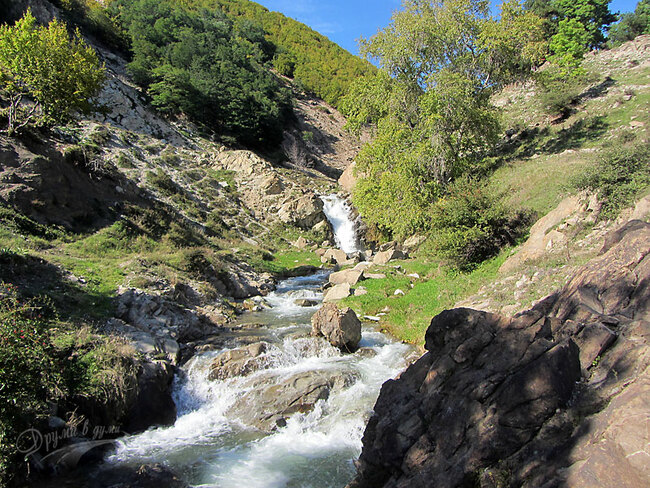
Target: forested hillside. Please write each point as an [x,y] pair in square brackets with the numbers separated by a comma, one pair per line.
[303,54]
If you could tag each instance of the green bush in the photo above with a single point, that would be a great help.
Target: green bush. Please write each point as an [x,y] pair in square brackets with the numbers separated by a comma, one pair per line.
[619,176]
[29,370]
[471,224]
[43,64]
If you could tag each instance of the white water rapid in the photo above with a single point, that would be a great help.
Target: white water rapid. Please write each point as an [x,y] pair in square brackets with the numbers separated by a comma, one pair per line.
[209,446]
[338,213]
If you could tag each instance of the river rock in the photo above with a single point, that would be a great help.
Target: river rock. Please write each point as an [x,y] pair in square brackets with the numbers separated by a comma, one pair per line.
[374,276]
[341,327]
[350,276]
[335,256]
[238,362]
[270,400]
[556,396]
[305,302]
[337,292]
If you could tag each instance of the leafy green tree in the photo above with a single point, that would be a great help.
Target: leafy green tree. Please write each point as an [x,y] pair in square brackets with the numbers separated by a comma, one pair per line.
[57,73]
[430,104]
[631,25]
[581,26]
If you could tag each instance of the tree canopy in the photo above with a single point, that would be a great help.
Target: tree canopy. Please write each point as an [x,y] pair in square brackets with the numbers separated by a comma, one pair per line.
[430,103]
[57,72]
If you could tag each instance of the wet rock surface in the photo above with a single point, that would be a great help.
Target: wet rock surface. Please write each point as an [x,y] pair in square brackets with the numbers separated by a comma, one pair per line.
[270,401]
[556,396]
[238,362]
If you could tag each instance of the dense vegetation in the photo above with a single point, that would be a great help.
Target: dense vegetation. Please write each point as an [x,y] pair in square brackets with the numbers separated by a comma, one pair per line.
[631,24]
[312,60]
[201,64]
[430,104]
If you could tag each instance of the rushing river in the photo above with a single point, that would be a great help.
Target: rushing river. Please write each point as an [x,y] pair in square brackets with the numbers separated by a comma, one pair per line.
[209,446]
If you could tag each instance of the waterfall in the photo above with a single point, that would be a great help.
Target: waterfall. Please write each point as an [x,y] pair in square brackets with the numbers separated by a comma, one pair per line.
[337,210]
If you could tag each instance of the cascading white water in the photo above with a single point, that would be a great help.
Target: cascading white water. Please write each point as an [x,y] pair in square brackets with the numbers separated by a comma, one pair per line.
[209,446]
[337,210]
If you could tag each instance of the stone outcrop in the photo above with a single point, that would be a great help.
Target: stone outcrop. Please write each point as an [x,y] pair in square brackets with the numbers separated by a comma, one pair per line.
[304,212]
[350,276]
[268,402]
[162,318]
[341,327]
[348,178]
[549,234]
[556,396]
[153,404]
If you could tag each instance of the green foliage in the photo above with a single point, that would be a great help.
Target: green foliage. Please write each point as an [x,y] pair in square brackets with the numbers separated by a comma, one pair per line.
[430,103]
[471,224]
[631,24]
[58,73]
[200,64]
[620,176]
[93,18]
[28,368]
[580,26]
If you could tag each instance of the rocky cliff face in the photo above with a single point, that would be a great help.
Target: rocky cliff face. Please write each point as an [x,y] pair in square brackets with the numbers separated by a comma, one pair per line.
[556,396]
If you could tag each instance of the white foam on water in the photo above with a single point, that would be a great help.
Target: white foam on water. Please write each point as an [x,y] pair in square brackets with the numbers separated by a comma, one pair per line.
[337,210]
[211,448]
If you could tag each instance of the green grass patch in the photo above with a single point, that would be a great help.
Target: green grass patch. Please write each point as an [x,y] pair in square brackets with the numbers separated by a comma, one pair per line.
[437,290]
[282,262]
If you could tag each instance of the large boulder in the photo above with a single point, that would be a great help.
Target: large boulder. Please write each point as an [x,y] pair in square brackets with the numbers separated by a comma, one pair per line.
[153,404]
[383,257]
[556,396]
[341,327]
[269,400]
[336,256]
[348,178]
[304,212]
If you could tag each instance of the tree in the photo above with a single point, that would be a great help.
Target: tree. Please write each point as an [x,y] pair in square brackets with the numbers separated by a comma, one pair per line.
[430,104]
[581,26]
[55,72]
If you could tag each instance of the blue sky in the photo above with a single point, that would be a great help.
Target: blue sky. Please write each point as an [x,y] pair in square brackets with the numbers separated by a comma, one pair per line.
[345,21]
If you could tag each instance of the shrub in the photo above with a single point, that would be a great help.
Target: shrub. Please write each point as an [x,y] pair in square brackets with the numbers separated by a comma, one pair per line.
[619,176]
[29,370]
[471,223]
[44,64]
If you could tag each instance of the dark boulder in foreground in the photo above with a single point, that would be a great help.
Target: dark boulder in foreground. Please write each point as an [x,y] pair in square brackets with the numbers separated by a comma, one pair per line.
[340,326]
[556,396]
